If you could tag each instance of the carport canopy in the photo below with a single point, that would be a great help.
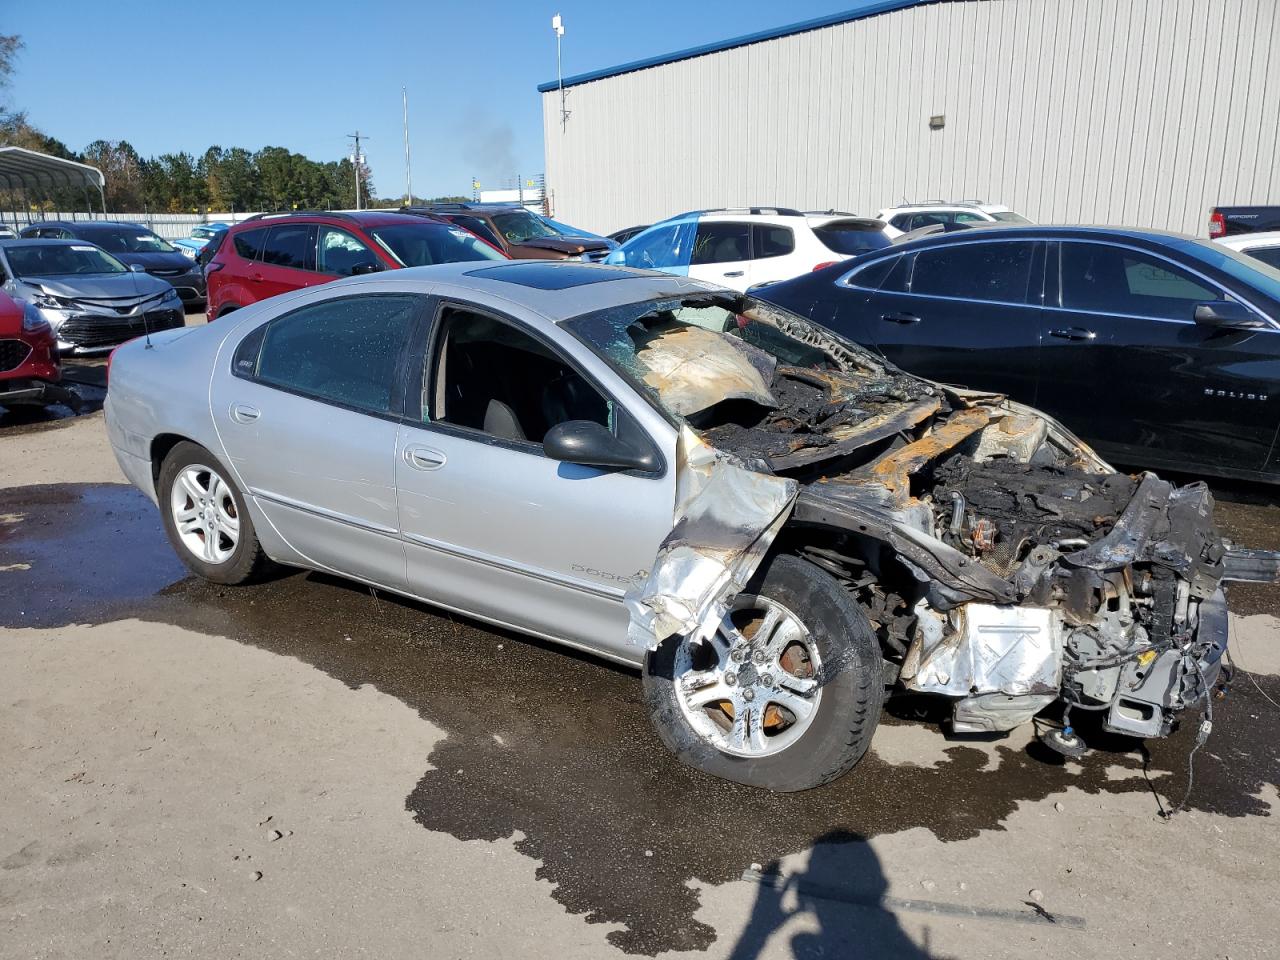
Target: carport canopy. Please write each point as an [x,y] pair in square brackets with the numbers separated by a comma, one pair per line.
[25,172]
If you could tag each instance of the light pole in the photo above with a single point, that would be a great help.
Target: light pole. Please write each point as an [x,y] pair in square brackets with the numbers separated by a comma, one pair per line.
[357,161]
[557,26]
[408,177]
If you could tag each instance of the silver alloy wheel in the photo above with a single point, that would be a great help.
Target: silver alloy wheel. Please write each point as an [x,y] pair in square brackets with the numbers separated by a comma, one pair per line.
[204,513]
[753,689]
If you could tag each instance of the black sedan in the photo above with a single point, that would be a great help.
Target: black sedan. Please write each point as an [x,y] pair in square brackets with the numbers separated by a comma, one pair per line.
[133,245]
[1161,350]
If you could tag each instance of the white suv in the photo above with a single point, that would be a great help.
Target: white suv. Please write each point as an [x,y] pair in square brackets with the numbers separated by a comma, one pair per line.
[750,246]
[913,216]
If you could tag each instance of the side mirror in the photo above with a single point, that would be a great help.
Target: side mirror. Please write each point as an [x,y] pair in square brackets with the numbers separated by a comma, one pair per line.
[137,268]
[591,445]
[1227,315]
[367,267]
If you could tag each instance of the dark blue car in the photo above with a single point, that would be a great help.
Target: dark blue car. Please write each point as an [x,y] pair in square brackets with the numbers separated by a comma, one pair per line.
[1161,350]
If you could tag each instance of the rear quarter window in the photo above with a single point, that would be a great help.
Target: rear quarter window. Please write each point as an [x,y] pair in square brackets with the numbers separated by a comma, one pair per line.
[249,244]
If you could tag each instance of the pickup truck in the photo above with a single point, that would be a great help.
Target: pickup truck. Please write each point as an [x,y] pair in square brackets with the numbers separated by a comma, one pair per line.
[1225,221]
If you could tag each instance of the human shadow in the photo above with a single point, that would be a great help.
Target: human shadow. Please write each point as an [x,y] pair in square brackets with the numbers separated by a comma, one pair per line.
[840,896]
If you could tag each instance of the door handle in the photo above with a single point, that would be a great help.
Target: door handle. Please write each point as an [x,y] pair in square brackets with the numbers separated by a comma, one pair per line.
[255,277]
[1073,333]
[244,413]
[424,458]
[735,273]
[900,318]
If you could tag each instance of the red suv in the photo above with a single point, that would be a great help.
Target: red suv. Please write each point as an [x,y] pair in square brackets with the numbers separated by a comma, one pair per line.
[29,367]
[277,252]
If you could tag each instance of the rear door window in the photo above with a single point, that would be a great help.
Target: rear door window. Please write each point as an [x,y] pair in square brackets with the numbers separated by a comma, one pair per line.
[1113,279]
[249,244]
[344,351]
[771,240]
[721,243]
[291,245]
[995,272]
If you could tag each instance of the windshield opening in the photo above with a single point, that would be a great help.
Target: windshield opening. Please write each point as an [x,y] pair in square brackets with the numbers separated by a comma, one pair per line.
[521,225]
[61,260]
[750,377]
[424,244]
[129,241]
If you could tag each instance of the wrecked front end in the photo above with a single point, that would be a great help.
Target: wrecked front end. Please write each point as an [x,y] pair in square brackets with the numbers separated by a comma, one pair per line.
[1001,562]
[1038,579]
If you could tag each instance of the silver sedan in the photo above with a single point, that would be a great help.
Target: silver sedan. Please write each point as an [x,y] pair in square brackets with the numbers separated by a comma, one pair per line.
[776,526]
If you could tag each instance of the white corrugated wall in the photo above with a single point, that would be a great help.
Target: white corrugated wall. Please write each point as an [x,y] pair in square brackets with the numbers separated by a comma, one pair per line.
[1134,112]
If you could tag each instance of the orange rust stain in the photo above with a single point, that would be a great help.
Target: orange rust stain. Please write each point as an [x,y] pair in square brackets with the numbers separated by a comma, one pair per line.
[895,470]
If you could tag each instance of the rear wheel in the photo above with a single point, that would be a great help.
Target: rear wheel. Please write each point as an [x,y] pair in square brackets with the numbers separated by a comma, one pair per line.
[785,696]
[205,517]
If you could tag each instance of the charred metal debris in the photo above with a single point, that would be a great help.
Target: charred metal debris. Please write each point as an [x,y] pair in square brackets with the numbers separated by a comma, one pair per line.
[1001,562]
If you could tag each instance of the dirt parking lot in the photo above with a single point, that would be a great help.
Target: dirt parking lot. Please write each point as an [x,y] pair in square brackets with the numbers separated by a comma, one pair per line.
[302,767]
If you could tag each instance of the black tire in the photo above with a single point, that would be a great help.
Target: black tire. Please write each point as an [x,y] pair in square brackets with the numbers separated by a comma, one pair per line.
[246,562]
[851,675]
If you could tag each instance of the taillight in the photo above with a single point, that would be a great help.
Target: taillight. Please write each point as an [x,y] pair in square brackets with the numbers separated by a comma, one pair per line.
[825,263]
[1217,225]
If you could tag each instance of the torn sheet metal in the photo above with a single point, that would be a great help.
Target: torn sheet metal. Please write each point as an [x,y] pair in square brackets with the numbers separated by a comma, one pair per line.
[982,648]
[726,517]
[692,369]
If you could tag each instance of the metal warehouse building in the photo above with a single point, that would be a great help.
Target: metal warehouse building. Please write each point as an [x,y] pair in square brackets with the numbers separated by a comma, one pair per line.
[1135,112]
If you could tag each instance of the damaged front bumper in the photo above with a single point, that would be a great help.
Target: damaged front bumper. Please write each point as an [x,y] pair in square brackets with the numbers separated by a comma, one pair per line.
[1133,625]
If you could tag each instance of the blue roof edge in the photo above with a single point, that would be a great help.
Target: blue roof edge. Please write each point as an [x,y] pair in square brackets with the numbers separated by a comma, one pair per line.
[861,13]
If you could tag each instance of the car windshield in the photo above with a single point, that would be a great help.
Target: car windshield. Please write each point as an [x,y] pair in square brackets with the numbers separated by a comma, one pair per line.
[522,225]
[126,240]
[61,260]
[424,244]
[1240,266]
[1008,216]
[565,230]
[694,353]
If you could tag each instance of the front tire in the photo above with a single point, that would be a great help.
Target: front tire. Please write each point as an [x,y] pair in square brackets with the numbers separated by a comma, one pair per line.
[205,517]
[786,696]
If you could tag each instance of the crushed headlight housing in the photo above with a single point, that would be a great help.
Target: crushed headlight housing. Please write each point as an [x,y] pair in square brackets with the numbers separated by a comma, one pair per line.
[33,320]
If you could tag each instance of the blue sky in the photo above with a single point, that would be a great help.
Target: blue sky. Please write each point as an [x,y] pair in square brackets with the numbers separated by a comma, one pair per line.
[177,76]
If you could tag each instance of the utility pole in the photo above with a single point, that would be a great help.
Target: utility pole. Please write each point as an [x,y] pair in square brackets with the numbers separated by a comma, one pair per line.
[557,25]
[357,161]
[408,176]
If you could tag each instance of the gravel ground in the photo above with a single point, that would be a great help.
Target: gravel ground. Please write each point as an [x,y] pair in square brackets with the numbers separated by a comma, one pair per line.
[303,768]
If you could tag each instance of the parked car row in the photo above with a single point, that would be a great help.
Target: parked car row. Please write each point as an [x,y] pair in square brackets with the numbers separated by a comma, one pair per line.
[135,246]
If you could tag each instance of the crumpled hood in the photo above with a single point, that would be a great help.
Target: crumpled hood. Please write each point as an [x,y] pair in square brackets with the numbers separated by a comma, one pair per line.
[108,286]
[573,246]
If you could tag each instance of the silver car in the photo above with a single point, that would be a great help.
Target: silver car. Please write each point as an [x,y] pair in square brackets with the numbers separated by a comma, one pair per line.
[92,301]
[776,527]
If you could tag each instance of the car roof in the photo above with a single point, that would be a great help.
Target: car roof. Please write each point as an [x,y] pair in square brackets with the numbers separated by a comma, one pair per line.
[926,205]
[42,241]
[1153,238]
[1242,241]
[556,289]
[88,224]
[360,218]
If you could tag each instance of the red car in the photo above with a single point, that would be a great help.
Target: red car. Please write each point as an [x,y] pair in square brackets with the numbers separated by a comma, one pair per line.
[29,367]
[274,253]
